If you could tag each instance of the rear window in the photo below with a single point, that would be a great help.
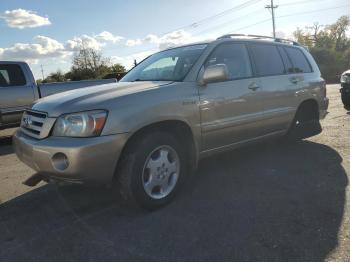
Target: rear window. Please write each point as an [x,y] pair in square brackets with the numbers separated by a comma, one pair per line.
[267,60]
[301,65]
[11,75]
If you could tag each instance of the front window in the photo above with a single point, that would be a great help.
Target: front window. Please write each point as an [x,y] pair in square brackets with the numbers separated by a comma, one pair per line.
[168,65]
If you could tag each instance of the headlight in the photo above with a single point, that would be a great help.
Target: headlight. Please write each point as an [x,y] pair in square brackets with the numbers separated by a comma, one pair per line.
[345,79]
[84,124]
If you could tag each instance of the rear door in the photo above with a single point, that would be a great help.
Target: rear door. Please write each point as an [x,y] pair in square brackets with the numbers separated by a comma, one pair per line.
[302,75]
[231,110]
[275,82]
[15,93]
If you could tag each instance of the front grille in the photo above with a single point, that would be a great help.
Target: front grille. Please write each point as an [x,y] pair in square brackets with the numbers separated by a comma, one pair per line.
[32,123]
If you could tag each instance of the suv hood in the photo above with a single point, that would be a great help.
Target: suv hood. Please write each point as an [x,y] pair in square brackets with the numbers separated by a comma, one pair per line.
[90,98]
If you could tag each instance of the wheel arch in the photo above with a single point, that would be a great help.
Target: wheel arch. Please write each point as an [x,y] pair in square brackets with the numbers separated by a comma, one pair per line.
[309,105]
[180,129]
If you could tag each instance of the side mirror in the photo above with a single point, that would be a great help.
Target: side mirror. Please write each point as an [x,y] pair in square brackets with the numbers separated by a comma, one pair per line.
[214,73]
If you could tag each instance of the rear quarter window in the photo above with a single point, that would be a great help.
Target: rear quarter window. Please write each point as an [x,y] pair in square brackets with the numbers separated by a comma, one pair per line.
[299,60]
[287,63]
[11,75]
[267,60]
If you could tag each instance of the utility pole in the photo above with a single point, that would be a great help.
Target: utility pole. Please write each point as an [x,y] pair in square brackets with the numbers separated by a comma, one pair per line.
[272,7]
[42,71]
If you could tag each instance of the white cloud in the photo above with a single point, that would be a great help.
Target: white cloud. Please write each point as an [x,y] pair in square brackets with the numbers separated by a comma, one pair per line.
[49,51]
[84,40]
[45,47]
[94,42]
[106,36]
[42,47]
[20,18]
[175,38]
[151,39]
[132,42]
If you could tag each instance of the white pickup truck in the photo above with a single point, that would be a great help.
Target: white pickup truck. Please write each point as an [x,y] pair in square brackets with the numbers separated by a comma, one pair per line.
[18,90]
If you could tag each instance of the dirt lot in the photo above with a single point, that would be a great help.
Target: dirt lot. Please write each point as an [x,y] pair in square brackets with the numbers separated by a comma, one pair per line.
[268,202]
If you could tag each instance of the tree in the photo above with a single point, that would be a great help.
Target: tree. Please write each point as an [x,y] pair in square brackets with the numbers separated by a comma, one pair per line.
[302,37]
[329,45]
[57,76]
[89,64]
[117,68]
[338,32]
[315,29]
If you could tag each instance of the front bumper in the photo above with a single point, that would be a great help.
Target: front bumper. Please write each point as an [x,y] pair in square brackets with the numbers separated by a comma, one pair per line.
[74,160]
[345,89]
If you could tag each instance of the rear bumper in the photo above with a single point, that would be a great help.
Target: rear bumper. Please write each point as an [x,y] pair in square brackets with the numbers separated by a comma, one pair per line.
[73,160]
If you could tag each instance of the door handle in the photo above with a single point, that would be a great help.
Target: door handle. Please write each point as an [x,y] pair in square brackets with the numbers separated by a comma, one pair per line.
[294,80]
[253,86]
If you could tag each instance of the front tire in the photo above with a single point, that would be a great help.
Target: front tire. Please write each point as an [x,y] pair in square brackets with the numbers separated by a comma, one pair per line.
[152,170]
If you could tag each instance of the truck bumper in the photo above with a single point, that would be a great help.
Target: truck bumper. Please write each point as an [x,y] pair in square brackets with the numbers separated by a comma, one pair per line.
[73,160]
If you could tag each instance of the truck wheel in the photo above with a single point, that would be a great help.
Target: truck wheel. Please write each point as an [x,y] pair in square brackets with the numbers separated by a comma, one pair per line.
[152,170]
[345,98]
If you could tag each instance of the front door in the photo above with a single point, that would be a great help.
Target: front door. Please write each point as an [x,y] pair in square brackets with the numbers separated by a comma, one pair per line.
[230,111]
[15,93]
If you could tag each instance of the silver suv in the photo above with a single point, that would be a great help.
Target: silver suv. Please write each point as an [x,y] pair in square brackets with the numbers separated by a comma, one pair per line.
[147,132]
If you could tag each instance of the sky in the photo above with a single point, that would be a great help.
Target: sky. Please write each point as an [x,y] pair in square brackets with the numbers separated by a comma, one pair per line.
[48,33]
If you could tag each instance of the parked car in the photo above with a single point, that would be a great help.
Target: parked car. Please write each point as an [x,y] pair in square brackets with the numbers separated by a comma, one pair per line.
[147,132]
[18,90]
[345,88]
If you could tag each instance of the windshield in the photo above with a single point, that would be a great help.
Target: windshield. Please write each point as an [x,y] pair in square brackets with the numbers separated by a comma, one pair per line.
[169,65]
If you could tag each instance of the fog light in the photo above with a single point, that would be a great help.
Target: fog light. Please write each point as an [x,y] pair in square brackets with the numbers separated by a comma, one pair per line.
[60,161]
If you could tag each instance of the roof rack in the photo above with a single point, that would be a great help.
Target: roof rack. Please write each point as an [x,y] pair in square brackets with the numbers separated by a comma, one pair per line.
[275,39]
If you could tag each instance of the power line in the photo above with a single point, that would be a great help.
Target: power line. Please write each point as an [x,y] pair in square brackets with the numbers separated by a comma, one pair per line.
[248,15]
[228,22]
[314,11]
[283,16]
[263,21]
[299,2]
[223,13]
[209,18]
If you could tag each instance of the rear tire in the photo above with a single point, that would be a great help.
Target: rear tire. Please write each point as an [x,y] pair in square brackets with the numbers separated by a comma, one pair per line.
[305,123]
[152,170]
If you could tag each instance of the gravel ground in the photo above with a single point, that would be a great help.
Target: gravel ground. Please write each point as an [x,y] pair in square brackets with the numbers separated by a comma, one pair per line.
[267,202]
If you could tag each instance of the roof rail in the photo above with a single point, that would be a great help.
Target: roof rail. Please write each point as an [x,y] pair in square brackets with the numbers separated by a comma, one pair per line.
[275,39]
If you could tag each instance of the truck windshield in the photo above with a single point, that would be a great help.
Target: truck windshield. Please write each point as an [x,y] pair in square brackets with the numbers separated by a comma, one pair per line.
[168,65]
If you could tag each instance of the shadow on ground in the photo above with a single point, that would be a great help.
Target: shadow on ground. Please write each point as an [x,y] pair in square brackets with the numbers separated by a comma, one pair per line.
[264,203]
